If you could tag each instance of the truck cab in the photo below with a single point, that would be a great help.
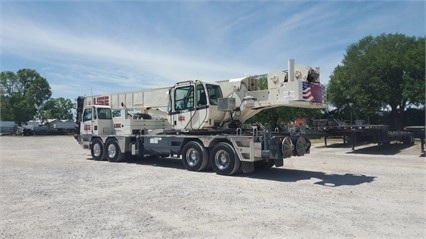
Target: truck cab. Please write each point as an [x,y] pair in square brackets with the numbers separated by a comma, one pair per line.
[96,120]
[193,105]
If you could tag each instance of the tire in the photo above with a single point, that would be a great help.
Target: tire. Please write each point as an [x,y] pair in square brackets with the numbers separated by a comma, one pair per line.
[224,159]
[112,151]
[408,140]
[308,145]
[97,149]
[194,156]
[287,147]
[301,146]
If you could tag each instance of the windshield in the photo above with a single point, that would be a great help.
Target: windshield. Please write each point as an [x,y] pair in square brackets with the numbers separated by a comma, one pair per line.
[104,113]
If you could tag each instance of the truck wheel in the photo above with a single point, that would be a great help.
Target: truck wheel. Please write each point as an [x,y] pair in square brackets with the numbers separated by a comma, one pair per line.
[301,146]
[408,140]
[113,152]
[224,159]
[287,147]
[97,149]
[194,156]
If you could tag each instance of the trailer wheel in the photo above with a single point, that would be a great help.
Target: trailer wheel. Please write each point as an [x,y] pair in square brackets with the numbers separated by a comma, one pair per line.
[194,156]
[113,152]
[224,159]
[97,149]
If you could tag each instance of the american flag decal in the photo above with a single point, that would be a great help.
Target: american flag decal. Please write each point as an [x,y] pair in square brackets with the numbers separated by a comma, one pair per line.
[312,91]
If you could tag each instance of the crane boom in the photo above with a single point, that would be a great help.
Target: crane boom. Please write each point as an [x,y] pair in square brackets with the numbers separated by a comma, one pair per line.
[193,105]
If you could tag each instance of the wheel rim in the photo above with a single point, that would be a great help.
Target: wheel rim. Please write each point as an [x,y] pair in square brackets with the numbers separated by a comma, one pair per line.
[192,157]
[222,159]
[112,151]
[97,150]
[287,147]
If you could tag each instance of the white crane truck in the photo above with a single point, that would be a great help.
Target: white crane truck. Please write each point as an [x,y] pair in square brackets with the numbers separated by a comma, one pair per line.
[200,122]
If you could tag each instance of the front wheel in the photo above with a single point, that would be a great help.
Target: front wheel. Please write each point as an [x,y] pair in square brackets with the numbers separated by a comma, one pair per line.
[224,159]
[113,152]
[195,157]
[97,149]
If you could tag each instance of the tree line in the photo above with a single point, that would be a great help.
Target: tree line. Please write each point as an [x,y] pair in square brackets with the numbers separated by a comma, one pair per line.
[381,78]
[25,95]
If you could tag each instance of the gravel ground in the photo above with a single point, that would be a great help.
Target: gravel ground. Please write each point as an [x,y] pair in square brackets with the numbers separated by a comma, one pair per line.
[51,189]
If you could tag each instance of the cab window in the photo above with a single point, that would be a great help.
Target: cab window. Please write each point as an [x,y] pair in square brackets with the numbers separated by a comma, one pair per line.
[104,113]
[184,98]
[214,93]
[201,96]
[87,115]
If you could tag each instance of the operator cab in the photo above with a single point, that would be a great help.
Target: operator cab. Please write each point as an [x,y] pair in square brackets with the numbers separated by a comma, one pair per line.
[193,105]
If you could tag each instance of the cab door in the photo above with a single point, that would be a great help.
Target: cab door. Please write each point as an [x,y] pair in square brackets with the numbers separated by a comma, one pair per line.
[102,121]
[87,121]
[86,126]
[96,121]
[189,106]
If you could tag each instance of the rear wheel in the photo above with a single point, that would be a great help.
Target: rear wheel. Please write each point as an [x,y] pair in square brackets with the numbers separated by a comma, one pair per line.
[113,152]
[301,146]
[287,147]
[97,149]
[195,156]
[224,159]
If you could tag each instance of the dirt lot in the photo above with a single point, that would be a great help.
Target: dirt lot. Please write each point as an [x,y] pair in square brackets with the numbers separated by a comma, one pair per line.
[50,189]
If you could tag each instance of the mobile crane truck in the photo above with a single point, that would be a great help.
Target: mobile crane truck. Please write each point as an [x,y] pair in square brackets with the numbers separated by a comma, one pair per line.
[200,122]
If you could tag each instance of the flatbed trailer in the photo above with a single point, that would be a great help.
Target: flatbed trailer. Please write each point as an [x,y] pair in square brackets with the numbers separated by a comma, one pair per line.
[360,132]
[418,132]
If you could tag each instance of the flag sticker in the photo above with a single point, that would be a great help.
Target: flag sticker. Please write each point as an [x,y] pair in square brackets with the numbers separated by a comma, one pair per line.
[312,91]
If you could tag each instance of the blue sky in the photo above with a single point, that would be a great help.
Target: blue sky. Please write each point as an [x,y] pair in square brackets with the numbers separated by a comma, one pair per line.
[95,47]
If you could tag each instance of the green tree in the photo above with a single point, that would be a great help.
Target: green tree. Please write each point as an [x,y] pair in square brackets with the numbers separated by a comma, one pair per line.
[386,71]
[22,94]
[273,117]
[58,108]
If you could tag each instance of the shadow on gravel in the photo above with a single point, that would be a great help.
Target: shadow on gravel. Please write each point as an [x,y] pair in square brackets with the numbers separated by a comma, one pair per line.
[334,145]
[160,162]
[274,174]
[389,149]
[368,148]
[329,180]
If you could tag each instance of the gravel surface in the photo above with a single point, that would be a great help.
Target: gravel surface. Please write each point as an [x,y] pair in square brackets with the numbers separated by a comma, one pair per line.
[51,189]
